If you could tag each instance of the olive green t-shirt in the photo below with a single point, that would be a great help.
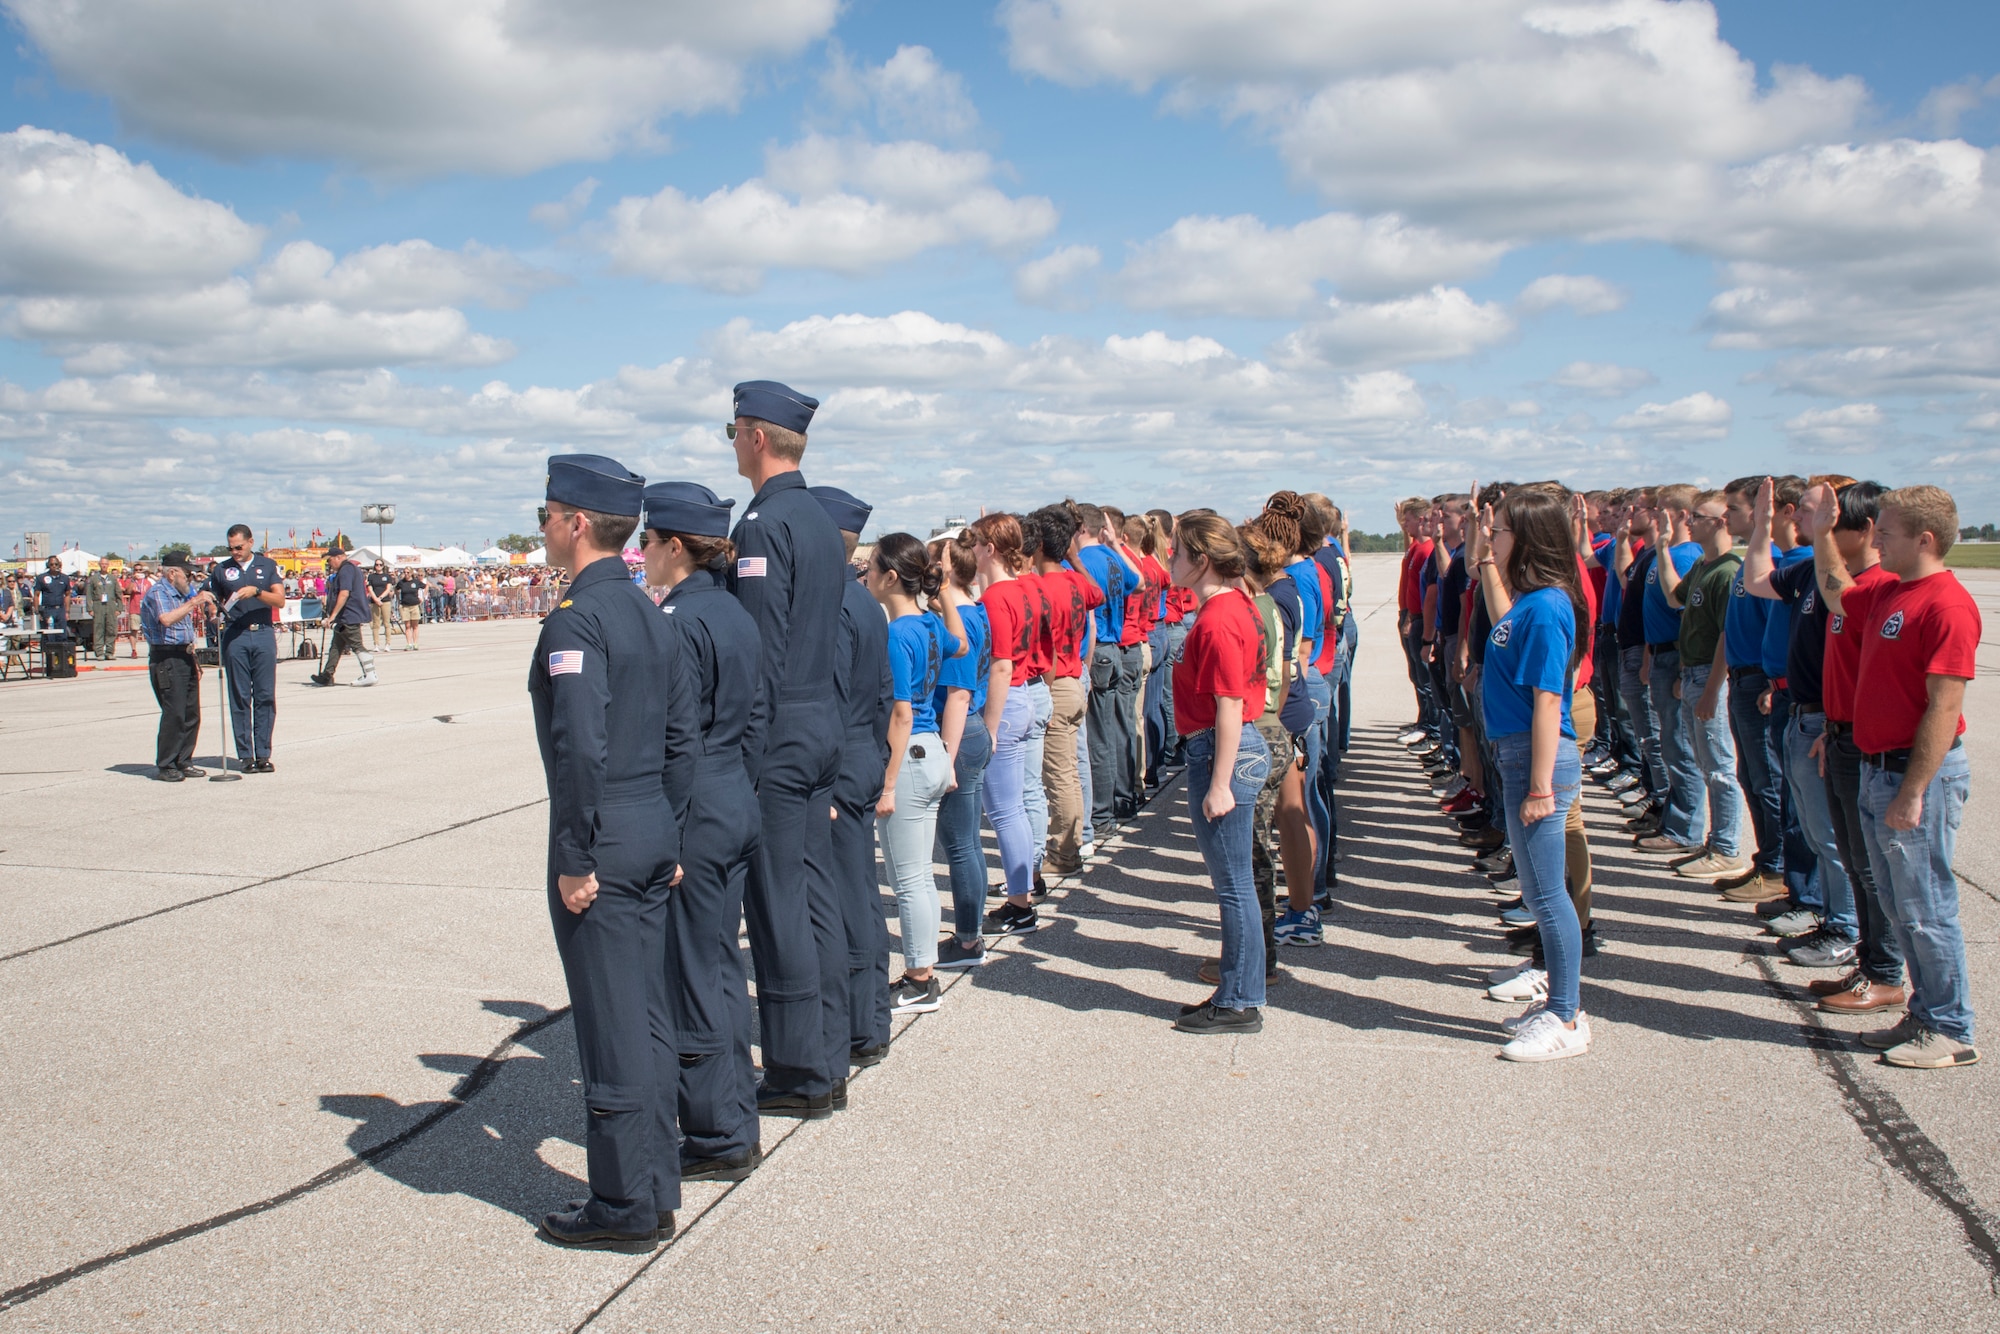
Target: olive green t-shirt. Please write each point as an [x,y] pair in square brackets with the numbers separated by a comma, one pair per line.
[1705,595]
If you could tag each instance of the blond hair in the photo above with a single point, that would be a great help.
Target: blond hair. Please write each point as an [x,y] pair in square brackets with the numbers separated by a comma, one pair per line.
[1926,509]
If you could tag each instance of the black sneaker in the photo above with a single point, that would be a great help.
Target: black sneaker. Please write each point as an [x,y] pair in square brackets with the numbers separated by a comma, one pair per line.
[1524,940]
[1500,859]
[1040,890]
[998,891]
[910,996]
[863,1057]
[1510,904]
[1770,908]
[734,1167]
[951,954]
[1209,1017]
[1011,919]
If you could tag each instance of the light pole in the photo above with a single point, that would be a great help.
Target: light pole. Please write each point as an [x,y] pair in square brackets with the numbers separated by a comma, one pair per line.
[380,516]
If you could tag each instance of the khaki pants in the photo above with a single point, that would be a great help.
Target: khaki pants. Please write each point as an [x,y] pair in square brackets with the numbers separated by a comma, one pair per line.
[1059,776]
[378,626]
[1576,846]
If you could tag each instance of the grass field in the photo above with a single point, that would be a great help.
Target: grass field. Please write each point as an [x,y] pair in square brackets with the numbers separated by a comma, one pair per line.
[1973,556]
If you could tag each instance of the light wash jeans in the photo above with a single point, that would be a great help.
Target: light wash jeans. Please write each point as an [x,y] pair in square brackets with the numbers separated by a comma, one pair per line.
[1539,856]
[1913,874]
[1083,774]
[1035,797]
[907,838]
[1225,848]
[1320,691]
[1812,802]
[1714,750]
[958,830]
[1645,722]
[1683,819]
[1005,790]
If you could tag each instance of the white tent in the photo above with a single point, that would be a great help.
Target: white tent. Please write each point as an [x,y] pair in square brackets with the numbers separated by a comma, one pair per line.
[539,556]
[449,556]
[394,555]
[493,556]
[77,562]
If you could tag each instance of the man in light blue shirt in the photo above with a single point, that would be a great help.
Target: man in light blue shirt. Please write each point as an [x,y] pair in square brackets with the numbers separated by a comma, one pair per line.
[166,619]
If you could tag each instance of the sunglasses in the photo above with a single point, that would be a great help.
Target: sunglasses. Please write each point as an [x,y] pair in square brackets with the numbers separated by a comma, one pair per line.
[729,430]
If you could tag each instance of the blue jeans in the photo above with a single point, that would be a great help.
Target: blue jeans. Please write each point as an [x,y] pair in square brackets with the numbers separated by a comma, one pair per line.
[1759,769]
[958,830]
[1083,775]
[1881,954]
[1801,877]
[907,838]
[1035,797]
[1317,811]
[1683,820]
[1813,804]
[1539,858]
[1225,849]
[1005,795]
[1715,757]
[1645,722]
[1913,875]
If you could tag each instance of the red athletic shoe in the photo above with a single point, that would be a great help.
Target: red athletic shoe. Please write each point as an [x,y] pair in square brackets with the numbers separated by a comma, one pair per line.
[1465,802]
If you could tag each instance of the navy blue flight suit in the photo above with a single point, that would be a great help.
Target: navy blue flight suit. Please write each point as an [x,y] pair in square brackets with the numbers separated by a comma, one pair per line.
[790,565]
[867,693]
[249,652]
[615,721]
[708,990]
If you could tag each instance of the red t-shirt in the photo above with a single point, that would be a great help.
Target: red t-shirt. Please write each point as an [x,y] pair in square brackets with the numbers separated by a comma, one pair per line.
[1073,595]
[1180,605]
[1225,655]
[1922,628]
[1138,622]
[1013,626]
[1329,642]
[1158,583]
[1839,668]
[1042,649]
[1593,599]
[1410,592]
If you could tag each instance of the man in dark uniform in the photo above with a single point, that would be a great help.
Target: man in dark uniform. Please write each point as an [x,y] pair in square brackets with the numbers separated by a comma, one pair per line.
[616,732]
[788,577]
[52,603]
[866,691]
[248,588]
[687,550]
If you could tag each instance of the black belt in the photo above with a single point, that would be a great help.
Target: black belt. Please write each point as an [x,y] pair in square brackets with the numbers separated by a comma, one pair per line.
[1738,673]
[155,651]
[1808,710]
[1666,646]
[1834,728]
[1897,761]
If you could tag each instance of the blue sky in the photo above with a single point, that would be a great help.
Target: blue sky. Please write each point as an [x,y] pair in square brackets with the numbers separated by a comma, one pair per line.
[272,264]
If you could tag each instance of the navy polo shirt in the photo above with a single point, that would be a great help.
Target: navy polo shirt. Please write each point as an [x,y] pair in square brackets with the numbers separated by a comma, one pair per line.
[260,571]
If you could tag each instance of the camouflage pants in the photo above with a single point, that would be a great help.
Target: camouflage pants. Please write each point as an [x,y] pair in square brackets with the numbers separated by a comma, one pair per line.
[1264,838]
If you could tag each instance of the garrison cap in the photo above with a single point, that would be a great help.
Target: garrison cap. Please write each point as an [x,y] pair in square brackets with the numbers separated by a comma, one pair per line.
[847,513]
[593,482]
[687,507]
[778,404]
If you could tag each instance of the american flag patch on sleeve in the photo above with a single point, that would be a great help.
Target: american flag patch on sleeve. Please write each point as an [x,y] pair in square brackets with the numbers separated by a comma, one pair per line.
[750,567]
[568,662]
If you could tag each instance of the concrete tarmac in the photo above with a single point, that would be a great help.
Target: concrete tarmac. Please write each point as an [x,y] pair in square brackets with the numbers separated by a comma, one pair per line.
[293,1053]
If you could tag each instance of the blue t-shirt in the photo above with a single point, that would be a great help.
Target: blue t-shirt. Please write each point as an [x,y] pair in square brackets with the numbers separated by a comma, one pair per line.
[1298,713]
[1606,555]
[1527,650]
[918,647]
[1778,620]
[349,576]
[970,670]
[1748,619]
[1312,606]
[1663,623]
[1117,579]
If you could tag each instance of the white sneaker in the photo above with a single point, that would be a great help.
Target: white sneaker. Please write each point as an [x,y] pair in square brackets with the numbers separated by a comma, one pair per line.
[1452,788]
[1090,849]
[1530,984]
[1515,1024]
[367,679]
[1547,1038]
[1510,972]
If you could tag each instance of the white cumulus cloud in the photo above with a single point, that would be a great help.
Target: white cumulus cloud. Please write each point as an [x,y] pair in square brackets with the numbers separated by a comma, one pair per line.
[1442,324]
[1699,416]
[1582,293]
[415,85]
[842,205]
[1847,429]
[1601,379]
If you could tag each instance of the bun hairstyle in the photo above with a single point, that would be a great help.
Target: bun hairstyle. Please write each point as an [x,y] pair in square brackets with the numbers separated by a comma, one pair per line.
[904,556]
[1206,535]
[1544,554]
[707,553]
[1089,518]
[1057,525]
[1312,525]
[954,554]
[1002,532]
[1268,553]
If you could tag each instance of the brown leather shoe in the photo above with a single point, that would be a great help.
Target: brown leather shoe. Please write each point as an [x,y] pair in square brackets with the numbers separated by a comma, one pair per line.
[1210,972]
[1865,997]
